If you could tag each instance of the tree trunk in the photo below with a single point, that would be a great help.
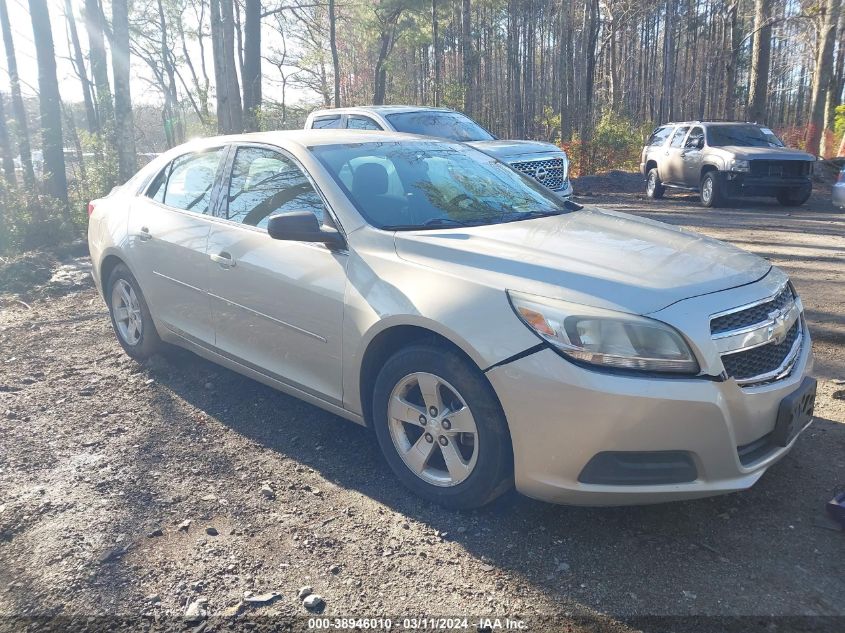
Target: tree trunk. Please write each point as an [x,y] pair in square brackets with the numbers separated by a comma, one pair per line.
[821,78]
[469,59]
[79,63]
[124,121]
[436,50]
[252,63]
[388,32]
[21,126]
[760,61]
[6,146]
[99,66]
[50,103]
[335,60]
[229,113]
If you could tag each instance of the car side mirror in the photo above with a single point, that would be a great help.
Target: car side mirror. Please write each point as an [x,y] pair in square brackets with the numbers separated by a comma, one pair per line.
[700,143]
[303,226]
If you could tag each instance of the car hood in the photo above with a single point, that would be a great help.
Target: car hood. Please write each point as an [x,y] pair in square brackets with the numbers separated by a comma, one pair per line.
[593,257]
[765,153]
[511,149]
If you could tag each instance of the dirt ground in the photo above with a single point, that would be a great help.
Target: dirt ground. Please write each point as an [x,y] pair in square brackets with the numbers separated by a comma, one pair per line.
[150,490]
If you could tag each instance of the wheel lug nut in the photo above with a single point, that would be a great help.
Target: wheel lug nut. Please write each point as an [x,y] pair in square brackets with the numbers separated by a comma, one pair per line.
[433,412]
[429,438]
[443,441]
[446,425]
[423,421]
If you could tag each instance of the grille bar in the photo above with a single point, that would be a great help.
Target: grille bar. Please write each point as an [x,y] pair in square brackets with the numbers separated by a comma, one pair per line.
[549,172]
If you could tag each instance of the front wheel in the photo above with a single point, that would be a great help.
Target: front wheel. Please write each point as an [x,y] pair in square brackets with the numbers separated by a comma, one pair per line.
[794,197]
[441,428]
[653,186]
[711,190]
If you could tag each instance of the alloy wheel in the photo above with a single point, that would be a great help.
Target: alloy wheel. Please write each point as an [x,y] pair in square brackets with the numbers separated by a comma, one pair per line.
[433,430]
[707,190]
[127,312]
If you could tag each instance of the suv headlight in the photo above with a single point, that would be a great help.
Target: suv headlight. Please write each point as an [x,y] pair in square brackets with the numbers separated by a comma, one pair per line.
[565,169]
[605,337]
[738,164]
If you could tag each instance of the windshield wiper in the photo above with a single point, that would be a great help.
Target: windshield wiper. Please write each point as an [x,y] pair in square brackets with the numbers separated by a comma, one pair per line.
[433,223]
[530,215]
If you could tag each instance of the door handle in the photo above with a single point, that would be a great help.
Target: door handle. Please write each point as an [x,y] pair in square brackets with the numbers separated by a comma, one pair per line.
[224,259]
[683,154]
[144,235]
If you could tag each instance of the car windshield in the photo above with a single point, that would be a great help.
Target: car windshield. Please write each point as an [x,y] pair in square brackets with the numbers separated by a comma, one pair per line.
[429,184]
[449,125]
[742,135]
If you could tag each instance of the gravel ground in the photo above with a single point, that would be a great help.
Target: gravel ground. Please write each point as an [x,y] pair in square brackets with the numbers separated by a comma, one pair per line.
[176,486]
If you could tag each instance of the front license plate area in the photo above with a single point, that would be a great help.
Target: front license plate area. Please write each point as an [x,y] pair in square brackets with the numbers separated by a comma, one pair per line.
[794,412]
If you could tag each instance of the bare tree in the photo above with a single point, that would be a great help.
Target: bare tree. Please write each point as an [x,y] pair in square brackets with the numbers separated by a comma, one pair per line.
[824,70]
[760,61]
[99,65]
[252,63]
[50,103]
[21,125]
[79,67]
[333,48]
[6,146]
[123,118]
[229,111]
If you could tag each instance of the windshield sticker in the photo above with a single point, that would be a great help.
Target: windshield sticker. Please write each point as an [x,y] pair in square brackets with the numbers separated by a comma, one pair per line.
[766,130]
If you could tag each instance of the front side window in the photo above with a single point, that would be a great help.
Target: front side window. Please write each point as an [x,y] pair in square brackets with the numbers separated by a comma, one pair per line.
[696,136]
[659,136]
[323,122]
[428,184]
[453,126]
[265,183]
[186,183]
[355,122]
[678,137]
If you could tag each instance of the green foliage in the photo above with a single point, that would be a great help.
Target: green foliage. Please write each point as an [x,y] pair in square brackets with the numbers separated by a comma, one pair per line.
[28,220]
[616,144]
[839,121]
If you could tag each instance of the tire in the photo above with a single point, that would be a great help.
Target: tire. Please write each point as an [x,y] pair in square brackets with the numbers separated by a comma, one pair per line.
[136,333]
[711,190]
[654,188]
[484,468]
[794,197]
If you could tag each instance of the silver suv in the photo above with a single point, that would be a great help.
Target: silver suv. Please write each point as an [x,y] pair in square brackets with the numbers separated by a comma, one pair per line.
[723,160]
[546,163]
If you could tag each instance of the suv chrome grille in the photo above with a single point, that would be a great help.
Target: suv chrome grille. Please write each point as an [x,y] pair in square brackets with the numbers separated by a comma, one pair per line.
[760,343]
[780,168]
[548,172]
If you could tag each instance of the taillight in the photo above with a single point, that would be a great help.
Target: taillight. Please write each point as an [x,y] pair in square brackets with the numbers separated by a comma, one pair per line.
[90,208]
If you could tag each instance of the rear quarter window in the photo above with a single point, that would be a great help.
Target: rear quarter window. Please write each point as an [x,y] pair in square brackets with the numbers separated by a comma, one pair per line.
[659,136]
[324,122]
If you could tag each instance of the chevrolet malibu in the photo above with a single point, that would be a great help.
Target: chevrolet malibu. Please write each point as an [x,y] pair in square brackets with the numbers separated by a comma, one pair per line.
[491,334]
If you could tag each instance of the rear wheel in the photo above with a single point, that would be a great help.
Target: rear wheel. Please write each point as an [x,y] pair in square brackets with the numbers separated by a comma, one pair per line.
[711,190]
[441,428]
[130,316]
[794,197]
[653,186]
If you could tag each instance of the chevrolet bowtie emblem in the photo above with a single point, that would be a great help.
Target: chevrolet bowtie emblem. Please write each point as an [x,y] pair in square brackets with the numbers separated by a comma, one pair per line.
[777,328]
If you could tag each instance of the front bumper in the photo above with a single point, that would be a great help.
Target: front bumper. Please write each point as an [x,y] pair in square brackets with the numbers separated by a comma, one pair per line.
[565,192]
[561,415]
[743,184]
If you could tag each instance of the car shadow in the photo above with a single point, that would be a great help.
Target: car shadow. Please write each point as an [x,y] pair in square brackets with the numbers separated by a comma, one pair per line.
[767,550]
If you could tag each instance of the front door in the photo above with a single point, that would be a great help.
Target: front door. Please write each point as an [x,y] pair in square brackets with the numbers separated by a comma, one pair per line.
[277,305]
[673,162]
[692,155]
[168,238]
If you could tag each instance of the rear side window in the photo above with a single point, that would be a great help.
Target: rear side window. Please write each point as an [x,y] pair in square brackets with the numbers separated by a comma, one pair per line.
[354,122]
[678,137]
[186,183]
[322,122]
[659,136]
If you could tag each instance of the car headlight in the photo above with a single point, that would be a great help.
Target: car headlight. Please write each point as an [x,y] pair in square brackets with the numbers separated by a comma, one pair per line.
[605,337]
[737,164]
[565,167]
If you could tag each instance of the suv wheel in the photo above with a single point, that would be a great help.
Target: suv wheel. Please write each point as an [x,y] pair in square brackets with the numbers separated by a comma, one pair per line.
[441,428]
[711,190]
[653,186]
[794,197]
[130,316]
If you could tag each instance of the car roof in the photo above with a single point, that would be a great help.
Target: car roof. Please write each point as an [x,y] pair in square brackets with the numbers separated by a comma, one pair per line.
[380,109]
[309,138]
[711,123]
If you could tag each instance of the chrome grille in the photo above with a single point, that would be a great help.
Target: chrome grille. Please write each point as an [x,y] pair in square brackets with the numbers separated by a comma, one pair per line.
[761,360]
[750,316]
[548,172]
[759,343]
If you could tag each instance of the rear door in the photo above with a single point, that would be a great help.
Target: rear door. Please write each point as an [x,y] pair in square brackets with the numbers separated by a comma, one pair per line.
[277,305]
[692,155]
[168,237]
[673,162]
